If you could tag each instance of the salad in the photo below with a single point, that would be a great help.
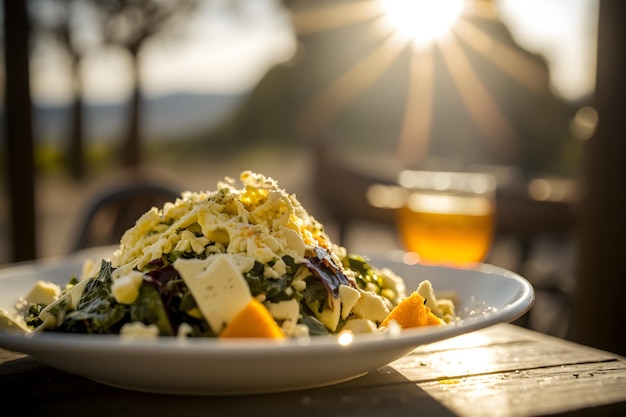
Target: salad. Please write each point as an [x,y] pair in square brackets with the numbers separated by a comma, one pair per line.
[243,261]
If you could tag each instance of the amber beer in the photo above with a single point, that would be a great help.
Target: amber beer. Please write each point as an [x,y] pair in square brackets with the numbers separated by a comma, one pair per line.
[451,225]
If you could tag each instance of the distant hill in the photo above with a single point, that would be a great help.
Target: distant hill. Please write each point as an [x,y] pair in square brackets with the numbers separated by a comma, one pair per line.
[166,117]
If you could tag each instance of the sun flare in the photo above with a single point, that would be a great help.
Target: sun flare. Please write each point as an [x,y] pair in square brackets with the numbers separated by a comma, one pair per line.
[422,20]
[439,35]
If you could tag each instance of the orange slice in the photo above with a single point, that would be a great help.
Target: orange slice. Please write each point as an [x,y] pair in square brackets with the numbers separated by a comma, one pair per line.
[412,312]
[253,321]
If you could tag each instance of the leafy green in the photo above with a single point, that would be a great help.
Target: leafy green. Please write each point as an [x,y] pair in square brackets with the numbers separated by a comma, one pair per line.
[100,316]
[165,301]
[148,309]
[32,318]
[98,286]
[187,302]
[315,295]
[316,328]
[366,277]
[97,311]
[274,289]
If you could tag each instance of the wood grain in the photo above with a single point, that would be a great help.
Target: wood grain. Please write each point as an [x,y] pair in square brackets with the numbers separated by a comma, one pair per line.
[501,371]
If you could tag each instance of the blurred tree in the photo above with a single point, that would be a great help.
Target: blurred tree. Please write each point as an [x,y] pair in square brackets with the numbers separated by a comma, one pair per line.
[129,24]
[55,19]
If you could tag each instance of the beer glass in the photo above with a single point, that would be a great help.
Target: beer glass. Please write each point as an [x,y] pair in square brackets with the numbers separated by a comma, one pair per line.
[447,217]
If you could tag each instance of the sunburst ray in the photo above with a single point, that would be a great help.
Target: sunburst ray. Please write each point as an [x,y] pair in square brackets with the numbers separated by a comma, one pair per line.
[311,20]
[502,136]
[418,113]
[329,102]
[525,71]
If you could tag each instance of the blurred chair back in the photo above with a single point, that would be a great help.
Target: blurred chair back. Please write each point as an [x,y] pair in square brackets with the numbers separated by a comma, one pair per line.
[116,205]
[341,188]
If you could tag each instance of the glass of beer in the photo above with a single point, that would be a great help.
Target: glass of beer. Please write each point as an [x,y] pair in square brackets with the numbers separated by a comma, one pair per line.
[447,217]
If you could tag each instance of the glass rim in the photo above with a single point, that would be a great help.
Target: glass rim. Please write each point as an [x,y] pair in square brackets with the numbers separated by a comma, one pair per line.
[452,181]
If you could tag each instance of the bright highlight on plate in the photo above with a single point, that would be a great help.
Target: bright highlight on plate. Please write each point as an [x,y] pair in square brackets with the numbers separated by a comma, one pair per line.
[345,337]
[422,20]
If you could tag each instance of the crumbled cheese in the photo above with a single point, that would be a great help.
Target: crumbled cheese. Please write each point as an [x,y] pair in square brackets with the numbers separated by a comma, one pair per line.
[443,308]
[277,270]
[138,330]
[125,288]
[294,245]
[394,282]
[261,221]
[287,312]
[359,326]
[370,306]
[184,330]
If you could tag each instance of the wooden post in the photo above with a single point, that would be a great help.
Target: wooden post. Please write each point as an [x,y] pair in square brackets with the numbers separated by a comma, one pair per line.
[599,311]
[19,136]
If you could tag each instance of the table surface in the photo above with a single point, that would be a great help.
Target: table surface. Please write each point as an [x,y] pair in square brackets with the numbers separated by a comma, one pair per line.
[504,370]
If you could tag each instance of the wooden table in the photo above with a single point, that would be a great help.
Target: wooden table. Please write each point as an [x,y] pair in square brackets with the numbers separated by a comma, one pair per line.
[504,370]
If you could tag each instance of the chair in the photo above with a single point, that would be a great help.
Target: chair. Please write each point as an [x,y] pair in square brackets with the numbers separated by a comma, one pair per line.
[342,188]
[115,207]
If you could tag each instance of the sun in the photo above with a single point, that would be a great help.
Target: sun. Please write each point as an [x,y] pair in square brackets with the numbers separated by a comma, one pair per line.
[423,21]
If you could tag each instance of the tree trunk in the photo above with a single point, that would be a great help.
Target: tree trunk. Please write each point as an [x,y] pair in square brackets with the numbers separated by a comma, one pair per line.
[132,151]
[75,154]
[19,132]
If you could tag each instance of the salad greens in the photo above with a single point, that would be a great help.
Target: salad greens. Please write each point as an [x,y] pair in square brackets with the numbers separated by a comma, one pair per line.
[165,301]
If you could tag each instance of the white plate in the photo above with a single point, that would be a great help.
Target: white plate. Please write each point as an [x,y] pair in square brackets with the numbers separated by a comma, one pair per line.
[486,295]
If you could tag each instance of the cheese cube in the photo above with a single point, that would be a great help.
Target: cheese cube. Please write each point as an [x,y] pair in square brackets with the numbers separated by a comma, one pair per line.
[125,289]
[359,326]
[43,293]
[349,297]
[218,287]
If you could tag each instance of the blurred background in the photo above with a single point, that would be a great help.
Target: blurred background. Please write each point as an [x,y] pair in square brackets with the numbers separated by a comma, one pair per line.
[330,98]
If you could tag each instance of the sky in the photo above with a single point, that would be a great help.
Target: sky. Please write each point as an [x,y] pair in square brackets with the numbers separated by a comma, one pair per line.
[565,32]
[214,54]
[221,55]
